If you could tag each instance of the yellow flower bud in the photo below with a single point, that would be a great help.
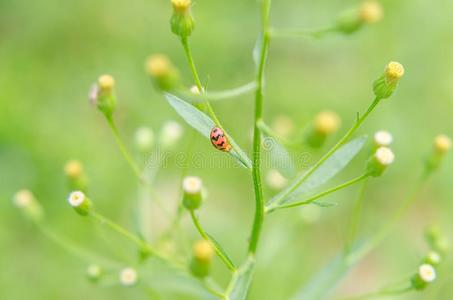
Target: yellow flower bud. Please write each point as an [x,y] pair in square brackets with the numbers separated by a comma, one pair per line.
[73,169]
[370,12]
[164,74]
[181,22]
[442,144]
[327,122]
[181,6]
[106,82]
[394,71]
[203,253]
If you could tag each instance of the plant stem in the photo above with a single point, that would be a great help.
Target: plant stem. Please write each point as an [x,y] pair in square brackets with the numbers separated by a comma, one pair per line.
[123,149]
[340,143]
[355,219]
[298,32]
[205,236]
[256,171]
[382,293]
[196,77]
[317,196]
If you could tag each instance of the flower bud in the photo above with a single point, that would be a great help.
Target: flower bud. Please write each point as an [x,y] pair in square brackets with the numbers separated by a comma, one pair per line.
[94,272]
[437,240]
[75,175]
[80,202]
[170,134]
[193,192]
[382,138]
[27,203]
[325,124]
[181,21]
[379,161]
[144,139]
[195,90]
[433,258]
[442,145]
[385,85]
[370,12]
[425,275]
[203,253]
[128,277]
[162,71]
[102,95]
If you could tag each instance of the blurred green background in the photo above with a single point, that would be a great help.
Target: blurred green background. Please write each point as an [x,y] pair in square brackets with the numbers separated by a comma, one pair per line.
[52,51]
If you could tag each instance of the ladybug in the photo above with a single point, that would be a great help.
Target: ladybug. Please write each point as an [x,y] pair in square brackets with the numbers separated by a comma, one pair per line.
[219,140]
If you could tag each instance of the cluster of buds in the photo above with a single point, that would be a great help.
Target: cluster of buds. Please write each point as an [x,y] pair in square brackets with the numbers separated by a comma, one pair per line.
[379,161]
[80,202]
[102,95]
[193,192]
[325,124]
[201,262]
[181,21]
[144,139]
[165,76]
[385,85]
[27,203]
[369,12]
[75,175]
[442,145]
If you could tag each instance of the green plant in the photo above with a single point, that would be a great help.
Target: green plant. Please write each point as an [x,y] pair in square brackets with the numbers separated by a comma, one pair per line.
[200,115]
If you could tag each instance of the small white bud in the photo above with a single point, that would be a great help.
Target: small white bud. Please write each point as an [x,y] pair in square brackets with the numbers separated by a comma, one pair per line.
[383,138]
[195,90]
[27,203]
[144,139]
[170,134]
[427,273]
[192,185]
[128,277]
[384,156]
[79,202]
[275,180]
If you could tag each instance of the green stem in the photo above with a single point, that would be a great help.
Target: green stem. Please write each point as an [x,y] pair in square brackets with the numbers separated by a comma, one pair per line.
[317,196]
[382,293]
[298,32]
[123,149]
[340,143]
[256,171]
[205,236]
[73,249]
[355,219]
[196,77]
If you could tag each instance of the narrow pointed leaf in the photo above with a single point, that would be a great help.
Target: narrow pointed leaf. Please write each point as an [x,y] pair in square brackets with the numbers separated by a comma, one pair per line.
[242,279]
[331,167]
[221,249]
[324,203]
[204,124]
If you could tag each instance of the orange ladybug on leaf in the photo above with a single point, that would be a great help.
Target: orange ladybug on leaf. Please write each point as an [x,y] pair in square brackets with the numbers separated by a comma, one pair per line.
[219,140]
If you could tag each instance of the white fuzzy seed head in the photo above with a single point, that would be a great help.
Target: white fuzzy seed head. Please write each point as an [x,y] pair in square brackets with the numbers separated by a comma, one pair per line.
[383,138]
[427,273]
[192,185]
[23,198]
[384,156]
[128,276]
[76,198]
[275,180]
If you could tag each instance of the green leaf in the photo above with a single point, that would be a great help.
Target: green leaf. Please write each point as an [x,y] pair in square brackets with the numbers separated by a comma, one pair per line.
[279,157]
[221,249]
[331,167]
[203,124]
[241,281]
